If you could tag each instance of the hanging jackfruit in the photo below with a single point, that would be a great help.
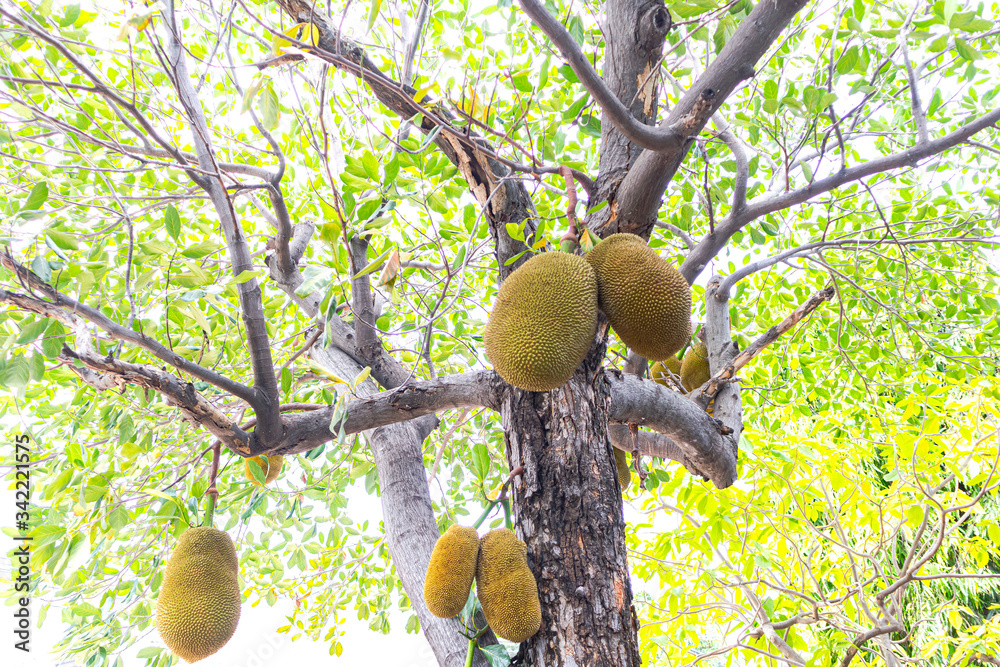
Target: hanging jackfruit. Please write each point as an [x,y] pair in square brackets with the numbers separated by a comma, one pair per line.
[543,322]
[199,603]
[647,301]
[657,372]
[694,369]
[451,570]
[506,586]
[621,463]
[269,463]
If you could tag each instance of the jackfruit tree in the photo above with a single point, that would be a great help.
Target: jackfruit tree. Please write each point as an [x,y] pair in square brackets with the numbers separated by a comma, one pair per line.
[358,249]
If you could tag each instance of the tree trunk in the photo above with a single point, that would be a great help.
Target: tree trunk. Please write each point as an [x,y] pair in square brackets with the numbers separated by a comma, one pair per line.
[634,34]
[568,510]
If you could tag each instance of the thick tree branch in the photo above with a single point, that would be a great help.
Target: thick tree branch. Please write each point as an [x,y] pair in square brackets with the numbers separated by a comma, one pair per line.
[664,138]
[265,402]
[178,393]
[728,406]
[638,199]
[864,637]
[465,390]
[68,310]
[710,246]
[503,199]
[645,403]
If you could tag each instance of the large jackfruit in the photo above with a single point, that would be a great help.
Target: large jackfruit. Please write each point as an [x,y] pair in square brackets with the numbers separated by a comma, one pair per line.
[646,301]
[269,463]
[199,603]
[658,374]
[621,463]
[506,586]
[694,369]
[543,322]
[451,570]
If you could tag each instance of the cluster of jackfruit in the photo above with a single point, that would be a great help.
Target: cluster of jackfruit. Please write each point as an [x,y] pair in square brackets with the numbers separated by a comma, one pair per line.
[498,563]
[545,316]
[269,463]
[199,603]
[543,322]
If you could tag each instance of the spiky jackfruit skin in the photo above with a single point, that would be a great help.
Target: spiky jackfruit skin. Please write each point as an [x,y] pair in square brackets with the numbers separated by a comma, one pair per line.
[451,570]
[694,368]
[621,463]
[270,463]
[506,586]
[647,301]
[543,322]
[199,603]
[657,372]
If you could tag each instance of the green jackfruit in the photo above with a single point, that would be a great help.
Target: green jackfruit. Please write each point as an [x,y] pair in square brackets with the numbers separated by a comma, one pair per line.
[646,301]
[543,322]
[506,586]
[694,368]
[657,372]
[624,474]
[199,603]
[451,570]
[269,463]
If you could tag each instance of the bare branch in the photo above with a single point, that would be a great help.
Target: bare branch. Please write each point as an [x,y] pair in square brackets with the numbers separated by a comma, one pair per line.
[709,246]
[67,310]
[178,393]
[265,402]
[862,638]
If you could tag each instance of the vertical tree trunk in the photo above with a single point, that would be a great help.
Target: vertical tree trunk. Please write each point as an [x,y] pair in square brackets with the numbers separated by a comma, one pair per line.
[634,33]
[568,509]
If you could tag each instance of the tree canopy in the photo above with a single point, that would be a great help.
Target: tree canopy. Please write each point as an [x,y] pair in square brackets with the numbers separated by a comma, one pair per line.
[240,222]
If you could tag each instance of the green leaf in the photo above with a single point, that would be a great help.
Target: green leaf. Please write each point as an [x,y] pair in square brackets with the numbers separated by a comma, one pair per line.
[848,61]
[39,193]
[965,50]
[374,264]
[373,12]
[269,107]
[172,221]
[41,268]
[149,652]
[245,276]
[496,655]
[480,461]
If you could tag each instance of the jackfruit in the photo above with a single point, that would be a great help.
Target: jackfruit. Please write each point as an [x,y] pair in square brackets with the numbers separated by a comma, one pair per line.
[199,603]
[451,570]
[269,463]
[694,368]
[647,301]
[543,322]
[657,372]
[506,586]
[624,474]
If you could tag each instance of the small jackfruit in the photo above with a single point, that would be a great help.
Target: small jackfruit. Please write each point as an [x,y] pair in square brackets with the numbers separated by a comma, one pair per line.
[694,368]
[199,603]
[451,570]
[658,374]
[269,463]
[647,301]
[624,474]
[543,322]
[506,586]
